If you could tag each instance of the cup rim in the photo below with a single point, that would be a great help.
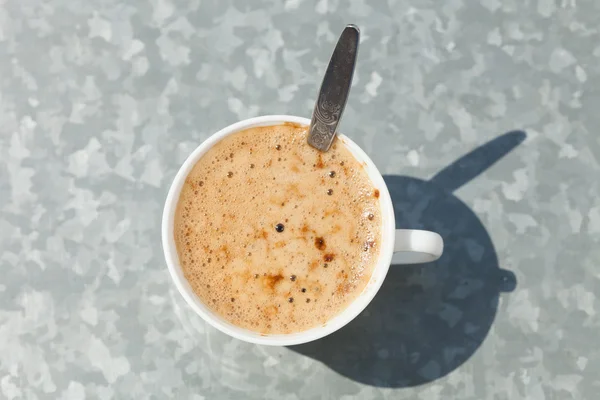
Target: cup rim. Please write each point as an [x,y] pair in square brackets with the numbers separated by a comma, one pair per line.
[345,316]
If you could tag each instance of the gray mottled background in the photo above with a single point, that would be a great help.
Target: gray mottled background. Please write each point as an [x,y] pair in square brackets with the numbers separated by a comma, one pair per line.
[483,115]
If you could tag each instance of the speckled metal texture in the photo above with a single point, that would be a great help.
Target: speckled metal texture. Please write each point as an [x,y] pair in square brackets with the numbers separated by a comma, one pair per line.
[482,115]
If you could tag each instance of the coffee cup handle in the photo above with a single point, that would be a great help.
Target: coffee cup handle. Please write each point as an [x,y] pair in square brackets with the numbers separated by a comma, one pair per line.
[414,246]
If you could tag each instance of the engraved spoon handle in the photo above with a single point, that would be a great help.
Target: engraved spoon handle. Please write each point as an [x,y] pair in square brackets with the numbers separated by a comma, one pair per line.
[334,90]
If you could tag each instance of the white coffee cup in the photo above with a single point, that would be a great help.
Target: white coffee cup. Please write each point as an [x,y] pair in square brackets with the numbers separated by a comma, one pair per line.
[416,246]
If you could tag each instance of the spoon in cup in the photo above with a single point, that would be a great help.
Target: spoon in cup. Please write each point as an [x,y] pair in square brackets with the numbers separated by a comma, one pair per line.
[334,91]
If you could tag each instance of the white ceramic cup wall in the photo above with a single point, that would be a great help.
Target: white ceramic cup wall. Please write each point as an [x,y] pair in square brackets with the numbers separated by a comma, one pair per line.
[416,246]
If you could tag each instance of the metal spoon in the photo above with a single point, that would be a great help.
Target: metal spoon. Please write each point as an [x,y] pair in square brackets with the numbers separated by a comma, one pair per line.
[334,90]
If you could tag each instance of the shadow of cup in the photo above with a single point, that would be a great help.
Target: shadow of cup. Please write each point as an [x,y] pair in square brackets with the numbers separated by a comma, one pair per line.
[427,319]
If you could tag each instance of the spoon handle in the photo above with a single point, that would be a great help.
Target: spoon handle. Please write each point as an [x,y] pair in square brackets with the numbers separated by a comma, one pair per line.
[334,90]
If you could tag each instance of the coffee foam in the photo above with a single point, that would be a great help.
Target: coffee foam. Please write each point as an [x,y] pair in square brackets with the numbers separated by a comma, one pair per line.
[275,236]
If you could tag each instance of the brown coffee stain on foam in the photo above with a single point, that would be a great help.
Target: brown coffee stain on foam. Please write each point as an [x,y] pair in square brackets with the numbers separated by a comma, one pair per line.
[314,265]
[301,237]
[328,257]
[245,275]
[277,200]
[345,169]
[319,163]
[304,230]
[270,281]
[190,182]
[294,191]
[331,211]
[320,243]
[376,193]
[270,311]
[225,250]
[343,288]
[343,275]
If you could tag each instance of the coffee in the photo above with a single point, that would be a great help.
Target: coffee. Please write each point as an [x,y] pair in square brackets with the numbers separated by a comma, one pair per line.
[275,236]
